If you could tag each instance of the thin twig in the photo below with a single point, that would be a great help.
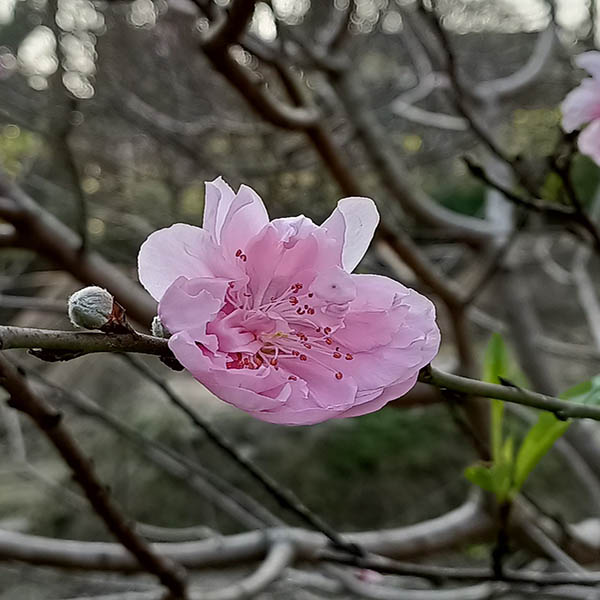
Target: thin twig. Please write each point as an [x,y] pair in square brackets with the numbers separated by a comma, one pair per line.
[224,495]
[284,496]
[80,343]
[49,421]
[561,408]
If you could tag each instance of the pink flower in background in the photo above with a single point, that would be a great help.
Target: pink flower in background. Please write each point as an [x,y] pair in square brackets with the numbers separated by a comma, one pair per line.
[268,317]
[582,105]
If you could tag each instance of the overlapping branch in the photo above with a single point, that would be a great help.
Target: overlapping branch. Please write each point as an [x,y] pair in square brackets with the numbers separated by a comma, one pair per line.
[78,343]
[37,229]
[49,421]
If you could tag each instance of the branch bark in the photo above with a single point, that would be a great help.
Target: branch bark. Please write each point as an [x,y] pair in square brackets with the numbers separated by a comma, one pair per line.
[49,421]
[466,522]
[40,231]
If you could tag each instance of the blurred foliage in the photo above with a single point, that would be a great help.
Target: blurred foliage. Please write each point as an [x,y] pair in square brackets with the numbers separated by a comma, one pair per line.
[17,147]
[533,133]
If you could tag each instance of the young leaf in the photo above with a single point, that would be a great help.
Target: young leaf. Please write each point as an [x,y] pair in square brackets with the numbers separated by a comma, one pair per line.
[496,478]
[481,476]
[496,365]
[587,392]
[539,439]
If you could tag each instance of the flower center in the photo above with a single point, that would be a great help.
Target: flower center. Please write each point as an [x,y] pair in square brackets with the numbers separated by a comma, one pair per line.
[295,337]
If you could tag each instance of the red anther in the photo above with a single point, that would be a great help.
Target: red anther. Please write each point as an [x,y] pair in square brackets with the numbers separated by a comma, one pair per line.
[318,330]
[327,330]
[293,378]
[258,360]
[337,348]
[231,284]
[349,356]
[303,357]
[311,295]
[295,353]
[339,375]
[243,257]
[293,300]
[299,286]
[300,311]
[307,346]
[306,307]
[311,311]
[238,252]
[273,362]
[328,341]
[337,355]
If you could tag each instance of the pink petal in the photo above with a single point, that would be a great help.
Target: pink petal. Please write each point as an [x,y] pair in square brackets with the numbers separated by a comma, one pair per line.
[389,394]
[232,219]
[581,105]
[245,218]
[353,224]
[334,286]
[590,61]
[169,253]
[390,331]
[189,304]
[589,141]
[217,200]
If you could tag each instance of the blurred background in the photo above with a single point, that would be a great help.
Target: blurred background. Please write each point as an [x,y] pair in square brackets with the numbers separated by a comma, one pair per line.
[112,117]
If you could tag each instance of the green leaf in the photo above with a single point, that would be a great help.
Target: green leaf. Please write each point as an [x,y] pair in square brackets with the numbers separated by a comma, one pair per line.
[539,439]
[495,362]
[587,392]
[496,478]
[496,365]
[481,476]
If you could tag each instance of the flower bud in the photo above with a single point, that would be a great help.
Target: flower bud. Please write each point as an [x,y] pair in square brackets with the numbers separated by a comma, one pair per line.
[158,329]
[90,307]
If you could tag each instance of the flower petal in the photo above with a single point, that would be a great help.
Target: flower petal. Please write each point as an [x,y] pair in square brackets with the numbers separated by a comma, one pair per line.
[589,141]
[245,218]
[189,304]
[169,253]
[590,61]
[581,105]
[353,224]
[389,394]
[217,200]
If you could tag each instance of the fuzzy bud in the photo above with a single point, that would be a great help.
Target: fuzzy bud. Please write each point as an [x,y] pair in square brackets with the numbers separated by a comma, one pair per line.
[158,329]
[91,307]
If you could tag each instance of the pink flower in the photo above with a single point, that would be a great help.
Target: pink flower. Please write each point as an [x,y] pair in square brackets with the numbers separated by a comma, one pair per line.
[267,316]
[582,105]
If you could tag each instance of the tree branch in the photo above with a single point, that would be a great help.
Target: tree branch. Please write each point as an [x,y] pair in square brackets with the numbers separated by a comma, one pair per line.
[467,522]
[231,26]
[41,231]
[81,342]
[23,399]
[515,395]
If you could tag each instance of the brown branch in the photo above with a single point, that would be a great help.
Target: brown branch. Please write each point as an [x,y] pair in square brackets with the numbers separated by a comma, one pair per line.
[467,522]
[23,399]
[285,497]
[436,573]
[395,176]
[40,231]
[225,496]
[231,26]
[81,343]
